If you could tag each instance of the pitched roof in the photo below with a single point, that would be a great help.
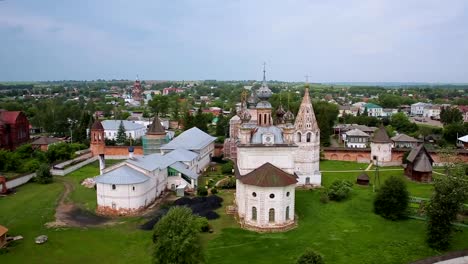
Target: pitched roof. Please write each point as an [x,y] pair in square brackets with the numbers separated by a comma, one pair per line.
[97,125]
[9,117]
[464,139]
[156,128]
[122,175]
[356,133]
[381,136]
[371,105]
[182,155]
[423,164]
[152,162]
[418,151]
[363,176]
[404,138]
[192,139]
[182,168]
[45,141]
[114,125]
[268,175]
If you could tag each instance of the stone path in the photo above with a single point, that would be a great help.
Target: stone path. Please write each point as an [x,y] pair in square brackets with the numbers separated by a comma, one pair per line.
[361,170]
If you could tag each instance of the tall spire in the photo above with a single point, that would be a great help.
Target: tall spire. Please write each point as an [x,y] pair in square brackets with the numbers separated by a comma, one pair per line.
[305,119]
[264,73]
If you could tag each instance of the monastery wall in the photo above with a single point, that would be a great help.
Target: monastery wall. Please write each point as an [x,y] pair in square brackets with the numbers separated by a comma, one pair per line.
[122,151]
[364,155]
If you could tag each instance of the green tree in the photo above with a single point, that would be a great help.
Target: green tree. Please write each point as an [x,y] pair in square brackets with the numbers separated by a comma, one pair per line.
[340,190]
[176,238]
[402,124]
[43,175]
[450,192]
[391,202]
[450,115]
[121,135]
[310,257]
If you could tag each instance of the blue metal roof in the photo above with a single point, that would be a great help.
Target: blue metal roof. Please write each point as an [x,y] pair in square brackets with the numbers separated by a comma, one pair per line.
[192,139]
[182,168]
[182,155]
[122,175]
[114,125]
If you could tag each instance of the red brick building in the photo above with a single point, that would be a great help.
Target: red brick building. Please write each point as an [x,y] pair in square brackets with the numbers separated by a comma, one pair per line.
[14,129]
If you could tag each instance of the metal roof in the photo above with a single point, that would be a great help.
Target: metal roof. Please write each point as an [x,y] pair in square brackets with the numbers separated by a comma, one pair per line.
[122,175]
[404,138]
[192,139]
[156,127]
[268,175]
[356,133]
[182,168]
[463,139]
[182,155]
[114,125]
[275,131]
[152,162]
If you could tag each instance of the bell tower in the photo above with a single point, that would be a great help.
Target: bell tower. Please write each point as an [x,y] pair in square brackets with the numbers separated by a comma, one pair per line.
[307,137]
[98,143]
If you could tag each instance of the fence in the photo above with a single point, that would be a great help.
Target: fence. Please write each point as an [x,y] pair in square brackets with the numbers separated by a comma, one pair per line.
[19,181]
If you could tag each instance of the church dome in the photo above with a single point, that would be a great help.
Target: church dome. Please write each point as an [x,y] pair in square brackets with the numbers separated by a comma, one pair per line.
[289,116]
[244,115]
[264,93]
[280,112]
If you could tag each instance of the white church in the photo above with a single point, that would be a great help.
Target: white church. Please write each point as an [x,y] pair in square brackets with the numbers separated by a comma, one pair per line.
[129,187]
[272,159]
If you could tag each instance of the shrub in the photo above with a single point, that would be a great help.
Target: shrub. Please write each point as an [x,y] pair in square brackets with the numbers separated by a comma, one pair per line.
[43,174]
[202,191]
[214,190]
[31,165]
[310,257]
[340,190]
[228,184]
[391,202]
[324,197]
[203,224]
[227,168]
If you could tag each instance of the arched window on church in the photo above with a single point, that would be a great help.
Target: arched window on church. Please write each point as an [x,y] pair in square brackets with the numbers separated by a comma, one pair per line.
[309,136]
[298,137]
[265,119]
[287,212]
[254,213]
[271,215]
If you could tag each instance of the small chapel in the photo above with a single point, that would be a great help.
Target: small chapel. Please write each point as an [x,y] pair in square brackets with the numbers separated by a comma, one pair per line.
[273,157]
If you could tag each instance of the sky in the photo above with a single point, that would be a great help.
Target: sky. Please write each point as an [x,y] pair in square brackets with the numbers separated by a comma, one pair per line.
[331,41]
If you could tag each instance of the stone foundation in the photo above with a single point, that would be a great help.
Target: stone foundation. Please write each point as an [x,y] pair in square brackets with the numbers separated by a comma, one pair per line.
[109,211]
[271,229]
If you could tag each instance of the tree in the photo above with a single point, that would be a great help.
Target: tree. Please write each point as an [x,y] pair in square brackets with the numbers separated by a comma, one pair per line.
[43,175]
[340,190]
[310,257]
[227,167]
[450,192]
[121,135]
[391,202]
[176,238]
[402,124]
[450,115]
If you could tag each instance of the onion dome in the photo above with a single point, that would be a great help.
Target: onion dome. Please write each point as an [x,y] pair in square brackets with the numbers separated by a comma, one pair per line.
[244,115]
[280,112]
[252,100]
[288,117]
[264,93]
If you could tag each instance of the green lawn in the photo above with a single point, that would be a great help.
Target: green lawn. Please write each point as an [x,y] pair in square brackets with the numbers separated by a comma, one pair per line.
[345,232]
[336,165]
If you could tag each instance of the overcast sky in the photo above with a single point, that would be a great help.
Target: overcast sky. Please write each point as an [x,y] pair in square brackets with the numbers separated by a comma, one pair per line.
[332,41]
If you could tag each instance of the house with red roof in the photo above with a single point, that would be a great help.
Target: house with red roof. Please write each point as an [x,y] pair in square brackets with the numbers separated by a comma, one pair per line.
[14,129]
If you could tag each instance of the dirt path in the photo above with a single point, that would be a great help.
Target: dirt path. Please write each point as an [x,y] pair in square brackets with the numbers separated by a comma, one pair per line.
[70,215]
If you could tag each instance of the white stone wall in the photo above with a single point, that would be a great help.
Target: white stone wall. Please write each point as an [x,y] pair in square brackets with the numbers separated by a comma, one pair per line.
[250,158]
[283,197]
[307,158]
[133,196]
[134,134]
[383,151]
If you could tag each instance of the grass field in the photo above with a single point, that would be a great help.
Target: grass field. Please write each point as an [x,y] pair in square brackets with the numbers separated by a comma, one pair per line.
[335,165]
[345,232]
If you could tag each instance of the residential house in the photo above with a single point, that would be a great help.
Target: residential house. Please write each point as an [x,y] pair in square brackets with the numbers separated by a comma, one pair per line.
[43,143]
[418,165]
[14,129]
[464,110]
[417,109]
[356,139]
[133,130]
[404,141]
[373,109]
[432,111]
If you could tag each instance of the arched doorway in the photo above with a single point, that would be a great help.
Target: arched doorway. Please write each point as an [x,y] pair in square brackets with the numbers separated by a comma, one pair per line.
[271,215]
[254,213]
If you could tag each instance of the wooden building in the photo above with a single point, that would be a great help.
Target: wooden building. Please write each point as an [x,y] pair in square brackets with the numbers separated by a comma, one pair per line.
[419,165]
